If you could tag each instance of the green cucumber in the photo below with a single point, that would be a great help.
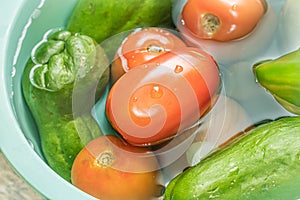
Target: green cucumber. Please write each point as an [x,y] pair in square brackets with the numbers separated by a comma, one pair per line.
[263,163]
[101,19]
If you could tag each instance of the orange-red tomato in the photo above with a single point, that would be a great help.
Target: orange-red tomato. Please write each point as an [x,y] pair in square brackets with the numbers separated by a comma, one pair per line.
[222,20]
[110,169]
[153,102]
[141,46]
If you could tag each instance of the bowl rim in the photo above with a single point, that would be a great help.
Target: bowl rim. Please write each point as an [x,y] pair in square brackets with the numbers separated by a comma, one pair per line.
[13,143]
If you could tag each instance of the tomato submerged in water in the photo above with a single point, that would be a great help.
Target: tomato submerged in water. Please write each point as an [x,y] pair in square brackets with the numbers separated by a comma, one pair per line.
[110,169]
[222,20]
[141,46]
[153,102]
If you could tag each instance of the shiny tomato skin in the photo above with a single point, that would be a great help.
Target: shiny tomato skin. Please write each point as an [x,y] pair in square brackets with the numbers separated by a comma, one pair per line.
[223,20]
[152,103]
[110,169]
[141,46]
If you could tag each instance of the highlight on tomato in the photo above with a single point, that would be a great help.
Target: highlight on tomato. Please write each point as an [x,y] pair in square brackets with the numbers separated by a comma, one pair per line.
[142,45]
[157,100]
[223,20]
[108,168]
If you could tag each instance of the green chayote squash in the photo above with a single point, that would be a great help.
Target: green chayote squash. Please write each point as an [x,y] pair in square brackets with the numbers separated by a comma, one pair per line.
[263,163]
[101,19]
[64,77]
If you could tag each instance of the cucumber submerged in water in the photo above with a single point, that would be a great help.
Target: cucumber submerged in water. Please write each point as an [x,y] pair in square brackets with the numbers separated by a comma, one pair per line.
[101,19]
[264,163]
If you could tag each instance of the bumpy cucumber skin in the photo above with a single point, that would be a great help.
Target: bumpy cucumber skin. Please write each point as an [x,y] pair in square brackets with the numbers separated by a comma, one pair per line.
[105,18]
[264,163]
[281,78]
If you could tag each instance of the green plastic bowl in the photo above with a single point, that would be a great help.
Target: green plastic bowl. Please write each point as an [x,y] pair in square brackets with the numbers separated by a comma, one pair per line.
[24,25]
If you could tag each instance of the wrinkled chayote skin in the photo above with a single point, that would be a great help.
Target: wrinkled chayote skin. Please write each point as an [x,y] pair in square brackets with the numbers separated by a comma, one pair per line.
[62,80]
[281,77]
[101,19]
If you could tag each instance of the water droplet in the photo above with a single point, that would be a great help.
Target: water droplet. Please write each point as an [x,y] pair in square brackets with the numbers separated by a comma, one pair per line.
[156,92]
[234,7]
[178,69]
[273,183]
[134,99]
[234,170]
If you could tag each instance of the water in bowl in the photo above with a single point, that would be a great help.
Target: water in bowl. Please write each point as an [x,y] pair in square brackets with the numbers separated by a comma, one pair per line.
[37,17]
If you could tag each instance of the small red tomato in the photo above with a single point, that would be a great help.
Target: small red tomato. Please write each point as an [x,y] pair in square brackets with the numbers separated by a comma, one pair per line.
[141,46]
[110,169]
[222,20]
[153,102]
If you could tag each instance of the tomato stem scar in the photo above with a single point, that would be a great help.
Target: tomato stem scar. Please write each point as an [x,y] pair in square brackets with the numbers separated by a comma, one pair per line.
[105,159]
[155,49]
[210,23]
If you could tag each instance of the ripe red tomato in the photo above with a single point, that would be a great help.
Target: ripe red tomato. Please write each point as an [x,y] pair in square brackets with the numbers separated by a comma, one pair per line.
[222,20]
[153,102]
[110,169]
[141,46]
